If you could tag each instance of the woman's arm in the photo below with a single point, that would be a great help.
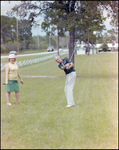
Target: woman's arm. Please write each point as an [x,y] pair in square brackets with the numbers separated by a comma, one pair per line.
[7,71]
[20,77]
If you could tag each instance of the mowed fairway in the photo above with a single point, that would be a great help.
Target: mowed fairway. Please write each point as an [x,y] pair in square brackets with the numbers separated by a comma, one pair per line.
[43,122]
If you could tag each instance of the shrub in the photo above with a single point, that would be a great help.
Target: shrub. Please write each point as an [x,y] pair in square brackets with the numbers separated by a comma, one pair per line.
[11,47]
[4,49]
[104,47]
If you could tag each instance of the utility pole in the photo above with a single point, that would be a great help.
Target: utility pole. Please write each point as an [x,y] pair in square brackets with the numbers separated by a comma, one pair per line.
[49,41]
[17,38]
[58,41]
[38,42]
[88,39]
[38,37]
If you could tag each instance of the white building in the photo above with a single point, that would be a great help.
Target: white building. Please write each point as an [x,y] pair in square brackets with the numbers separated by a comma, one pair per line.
[81,48]
[111,47]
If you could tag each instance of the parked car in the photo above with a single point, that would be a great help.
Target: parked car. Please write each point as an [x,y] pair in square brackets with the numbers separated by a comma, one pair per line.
[60,49]
[13,52]
[50,49]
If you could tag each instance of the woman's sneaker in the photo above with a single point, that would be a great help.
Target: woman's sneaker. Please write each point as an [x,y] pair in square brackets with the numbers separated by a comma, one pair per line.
[8,103]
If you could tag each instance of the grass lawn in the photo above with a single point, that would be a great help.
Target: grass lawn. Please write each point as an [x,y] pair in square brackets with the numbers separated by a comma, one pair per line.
[43,122]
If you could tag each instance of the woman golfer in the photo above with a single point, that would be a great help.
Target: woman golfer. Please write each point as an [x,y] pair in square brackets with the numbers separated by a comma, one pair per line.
[12,75]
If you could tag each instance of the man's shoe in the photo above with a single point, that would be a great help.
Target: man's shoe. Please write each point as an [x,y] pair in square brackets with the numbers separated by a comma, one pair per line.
[70,105]
[8,103]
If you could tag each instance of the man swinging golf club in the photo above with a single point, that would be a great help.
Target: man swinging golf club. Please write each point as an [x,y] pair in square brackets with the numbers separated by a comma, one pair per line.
[68,67]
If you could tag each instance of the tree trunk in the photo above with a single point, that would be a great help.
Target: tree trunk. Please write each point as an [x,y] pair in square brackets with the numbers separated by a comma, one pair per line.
[67,44]
[57,42]
[3,40]
[38,42]
[71,45]
[17,38]
[25,44]
[49,42]
[93,48]
[88,39]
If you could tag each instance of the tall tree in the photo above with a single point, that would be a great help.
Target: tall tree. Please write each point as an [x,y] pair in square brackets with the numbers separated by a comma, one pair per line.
[25,33]
[65,14]
[91,20]
[8,29]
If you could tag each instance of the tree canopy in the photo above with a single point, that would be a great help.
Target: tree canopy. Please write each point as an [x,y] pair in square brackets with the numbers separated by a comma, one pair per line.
[67,16]
[8,29]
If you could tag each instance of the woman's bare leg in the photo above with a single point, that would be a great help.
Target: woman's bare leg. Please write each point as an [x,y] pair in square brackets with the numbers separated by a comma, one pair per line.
[17,97]
[8,97]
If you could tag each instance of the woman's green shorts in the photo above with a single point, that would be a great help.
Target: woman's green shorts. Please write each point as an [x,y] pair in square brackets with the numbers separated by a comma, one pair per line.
[13,86]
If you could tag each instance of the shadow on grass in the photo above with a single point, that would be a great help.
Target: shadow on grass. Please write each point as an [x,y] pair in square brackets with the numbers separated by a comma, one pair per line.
[96,76]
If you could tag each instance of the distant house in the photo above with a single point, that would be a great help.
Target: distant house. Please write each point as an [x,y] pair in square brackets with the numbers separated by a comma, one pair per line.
[115,47]
[82,49]
[111,47]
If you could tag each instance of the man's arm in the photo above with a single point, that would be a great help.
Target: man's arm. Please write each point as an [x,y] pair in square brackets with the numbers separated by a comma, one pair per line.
[64,67]
[67,66]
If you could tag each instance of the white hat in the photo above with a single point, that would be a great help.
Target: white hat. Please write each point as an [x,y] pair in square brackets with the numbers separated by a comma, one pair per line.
[11,56]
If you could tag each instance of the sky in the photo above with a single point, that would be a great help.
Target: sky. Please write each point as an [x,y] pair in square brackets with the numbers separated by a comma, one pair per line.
[6,6]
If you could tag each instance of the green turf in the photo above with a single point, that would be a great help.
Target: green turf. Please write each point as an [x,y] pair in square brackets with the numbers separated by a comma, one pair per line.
[43,122]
